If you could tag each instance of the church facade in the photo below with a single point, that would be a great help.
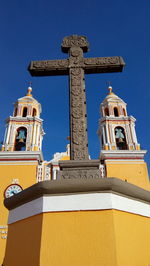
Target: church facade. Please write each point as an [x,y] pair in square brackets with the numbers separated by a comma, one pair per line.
[22,165]
[21,158]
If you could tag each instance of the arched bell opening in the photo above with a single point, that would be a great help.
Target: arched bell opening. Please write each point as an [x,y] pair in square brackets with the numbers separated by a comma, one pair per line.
[106,111]
[24,113]
[34,112]
[20,141]
[120,138]
[116,113]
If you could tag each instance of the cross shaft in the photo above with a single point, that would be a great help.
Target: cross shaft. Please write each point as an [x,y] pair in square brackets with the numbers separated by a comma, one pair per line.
[76,66]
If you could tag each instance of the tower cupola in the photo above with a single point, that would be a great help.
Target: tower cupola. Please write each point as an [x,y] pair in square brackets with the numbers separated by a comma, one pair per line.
[27,106]
[113,106]
[24,131]
[116,128]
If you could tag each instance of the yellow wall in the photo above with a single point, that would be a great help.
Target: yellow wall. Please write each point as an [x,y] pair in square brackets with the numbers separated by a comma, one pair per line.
[24,244]
[83,238]
[132,239]
[68,239]
[26,174]
[135,173]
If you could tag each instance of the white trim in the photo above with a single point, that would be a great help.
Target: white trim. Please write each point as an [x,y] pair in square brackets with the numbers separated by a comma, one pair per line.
[79,202]
[125,161]
[104,137]
[21,155]
[8,133]
[123,154]
[19,163]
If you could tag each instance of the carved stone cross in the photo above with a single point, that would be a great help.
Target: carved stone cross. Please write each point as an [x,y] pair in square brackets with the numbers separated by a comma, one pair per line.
[76,66]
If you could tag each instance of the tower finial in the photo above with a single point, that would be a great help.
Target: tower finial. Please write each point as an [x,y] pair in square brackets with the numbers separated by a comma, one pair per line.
[29,89]
[110,89]
[109,86]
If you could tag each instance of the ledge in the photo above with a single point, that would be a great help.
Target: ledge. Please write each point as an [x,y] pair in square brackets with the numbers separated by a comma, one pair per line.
[77,186]
[21,155]
[123,154]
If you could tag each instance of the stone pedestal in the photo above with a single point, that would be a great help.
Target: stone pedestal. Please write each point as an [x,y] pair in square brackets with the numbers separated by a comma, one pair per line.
[79,222]
[84,169]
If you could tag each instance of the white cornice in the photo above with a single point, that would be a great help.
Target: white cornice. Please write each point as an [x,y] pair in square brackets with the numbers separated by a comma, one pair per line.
[24,119]
[79,202]
[22,155]
[117,118]
[124,154]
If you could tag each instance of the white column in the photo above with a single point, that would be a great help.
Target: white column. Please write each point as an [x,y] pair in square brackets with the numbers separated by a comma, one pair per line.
[110,109]
[12,134]
[103,133]
[28,139]
[41,138]
[19,110]
[128,135]
[132,126]
[37,135]
[34,132]
[107,134]
[119,109]
[102,111]
[8,133]
[112,132]
[5,134]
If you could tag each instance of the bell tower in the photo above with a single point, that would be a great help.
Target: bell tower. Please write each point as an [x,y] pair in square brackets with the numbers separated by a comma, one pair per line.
[24,131]
[120,150]
[21,154]
[116,128]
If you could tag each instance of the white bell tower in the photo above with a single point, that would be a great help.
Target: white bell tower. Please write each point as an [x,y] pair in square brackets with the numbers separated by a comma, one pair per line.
[120,154]
[116,129]
[24,130]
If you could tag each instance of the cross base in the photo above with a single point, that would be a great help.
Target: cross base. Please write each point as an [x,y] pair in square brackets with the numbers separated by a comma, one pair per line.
[84,169]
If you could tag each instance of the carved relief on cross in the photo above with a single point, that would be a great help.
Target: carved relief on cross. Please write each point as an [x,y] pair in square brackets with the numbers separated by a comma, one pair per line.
[76,66]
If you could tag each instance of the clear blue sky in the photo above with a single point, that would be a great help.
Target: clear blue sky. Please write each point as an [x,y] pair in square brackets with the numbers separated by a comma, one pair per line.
[33,30]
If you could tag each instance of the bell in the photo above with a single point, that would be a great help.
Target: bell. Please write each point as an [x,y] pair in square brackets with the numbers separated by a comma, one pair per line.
[120,140]
[21,140]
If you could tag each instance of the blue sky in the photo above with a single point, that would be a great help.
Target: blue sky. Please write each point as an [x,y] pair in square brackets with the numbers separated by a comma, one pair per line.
[33,30]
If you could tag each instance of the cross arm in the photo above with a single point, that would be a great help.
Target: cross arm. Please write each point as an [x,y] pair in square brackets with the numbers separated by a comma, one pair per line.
[103,64]
[49,67]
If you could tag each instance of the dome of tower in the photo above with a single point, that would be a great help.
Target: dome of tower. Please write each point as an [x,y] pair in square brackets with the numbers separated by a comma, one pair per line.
[27,105]
[113,105]
[112,97]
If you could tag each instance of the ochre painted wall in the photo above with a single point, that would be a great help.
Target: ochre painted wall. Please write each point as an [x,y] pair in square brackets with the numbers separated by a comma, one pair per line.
[134,173]
[81,238]
[26,175]
[24,244]
[84,238]
[68,239]
[132,237]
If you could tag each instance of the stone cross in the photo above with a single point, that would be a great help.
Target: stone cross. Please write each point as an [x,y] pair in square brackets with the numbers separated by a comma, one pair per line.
[76,66]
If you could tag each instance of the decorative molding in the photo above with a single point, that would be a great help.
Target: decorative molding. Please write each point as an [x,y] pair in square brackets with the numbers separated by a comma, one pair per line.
[79,202]
[75,186]
[123,154]
[21,155]
[76,174]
